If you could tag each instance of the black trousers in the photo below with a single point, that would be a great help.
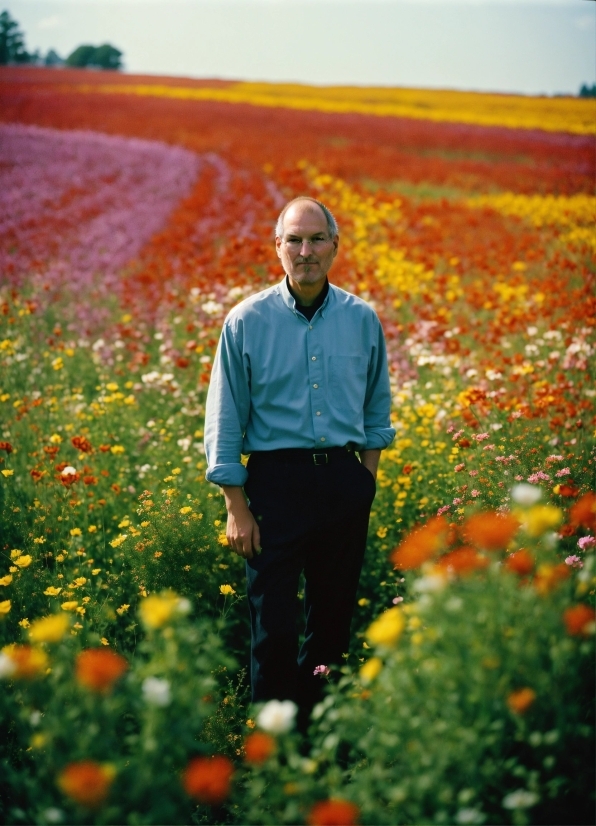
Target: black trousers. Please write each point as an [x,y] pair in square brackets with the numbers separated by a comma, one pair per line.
[313,519]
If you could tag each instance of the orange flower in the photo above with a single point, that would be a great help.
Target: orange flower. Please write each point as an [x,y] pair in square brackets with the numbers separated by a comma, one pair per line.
[521,562]
[86,782]
[520,701]
[207,779]
[584,512]
[420,545]
[258,746]
[333,812]
[579,620]
[548,577]
[490,530]
[462,561]
[29,662]
[99,668]
[82,444]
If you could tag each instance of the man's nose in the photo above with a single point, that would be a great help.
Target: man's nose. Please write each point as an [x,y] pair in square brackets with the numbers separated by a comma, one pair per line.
[306,244]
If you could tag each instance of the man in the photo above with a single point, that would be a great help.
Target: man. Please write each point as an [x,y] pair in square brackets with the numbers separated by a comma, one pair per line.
[299,382]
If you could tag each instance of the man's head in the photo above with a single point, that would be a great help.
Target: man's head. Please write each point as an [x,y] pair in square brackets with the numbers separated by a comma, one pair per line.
[306,239]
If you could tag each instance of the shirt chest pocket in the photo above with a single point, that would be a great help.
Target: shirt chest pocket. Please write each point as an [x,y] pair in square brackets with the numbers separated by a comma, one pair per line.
[347,382]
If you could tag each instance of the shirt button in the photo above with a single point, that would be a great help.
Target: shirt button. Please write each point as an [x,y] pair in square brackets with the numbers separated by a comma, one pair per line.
[316,386]
[318,412]
[313,358]
[322,438]
[310,326]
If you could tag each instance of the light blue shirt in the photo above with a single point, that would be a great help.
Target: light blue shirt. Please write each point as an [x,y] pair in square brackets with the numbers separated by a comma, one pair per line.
[281,381]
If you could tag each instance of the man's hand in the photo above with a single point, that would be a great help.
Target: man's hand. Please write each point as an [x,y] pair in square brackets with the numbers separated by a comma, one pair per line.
[242,530]
[370,460]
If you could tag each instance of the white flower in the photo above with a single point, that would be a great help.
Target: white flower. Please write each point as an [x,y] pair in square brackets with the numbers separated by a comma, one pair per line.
[69,471]
[469,816]
[277,717]
[183,606]
[212,308]
[7,666]
[520,799]
[157,692]
[52,815]
[525,494]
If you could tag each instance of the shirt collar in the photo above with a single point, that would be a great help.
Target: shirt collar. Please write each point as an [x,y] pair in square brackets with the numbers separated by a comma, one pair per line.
[289,301]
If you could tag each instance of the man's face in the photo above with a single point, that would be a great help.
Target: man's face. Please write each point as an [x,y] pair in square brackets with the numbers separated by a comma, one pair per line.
[306,250]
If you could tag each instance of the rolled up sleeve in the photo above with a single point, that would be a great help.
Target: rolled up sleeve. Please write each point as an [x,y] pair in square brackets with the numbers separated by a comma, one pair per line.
[377,405]
[227,409]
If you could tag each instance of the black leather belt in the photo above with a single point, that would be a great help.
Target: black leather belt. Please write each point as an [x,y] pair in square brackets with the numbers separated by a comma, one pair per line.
[314,456]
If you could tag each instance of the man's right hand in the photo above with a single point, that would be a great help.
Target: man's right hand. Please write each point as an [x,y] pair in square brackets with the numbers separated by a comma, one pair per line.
[242,531]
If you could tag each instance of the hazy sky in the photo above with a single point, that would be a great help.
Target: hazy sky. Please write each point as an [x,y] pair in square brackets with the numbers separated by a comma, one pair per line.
[531,46]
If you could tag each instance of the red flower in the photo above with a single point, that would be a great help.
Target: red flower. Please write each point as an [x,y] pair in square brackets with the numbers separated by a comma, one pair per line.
[333,812]
[521,562]
[6,446]
[258,746]
[420,545]
[584,512]
[520,701]
[36,474]
[90,480]
[207,779]
[99,668]
[491,530]
[82,444]
[579,620]
[86,782]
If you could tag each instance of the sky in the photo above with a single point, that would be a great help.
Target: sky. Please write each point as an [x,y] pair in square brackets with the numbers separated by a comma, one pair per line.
[524,46]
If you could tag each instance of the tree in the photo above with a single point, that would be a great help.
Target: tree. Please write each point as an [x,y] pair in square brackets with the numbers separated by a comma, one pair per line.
[100,57]
[12,41]
[588,91]
[53,59]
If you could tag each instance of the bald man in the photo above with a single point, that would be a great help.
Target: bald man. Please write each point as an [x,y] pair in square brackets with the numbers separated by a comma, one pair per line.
[300,383]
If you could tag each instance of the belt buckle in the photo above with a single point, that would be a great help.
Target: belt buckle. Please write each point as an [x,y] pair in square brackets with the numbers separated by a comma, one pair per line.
[320,456]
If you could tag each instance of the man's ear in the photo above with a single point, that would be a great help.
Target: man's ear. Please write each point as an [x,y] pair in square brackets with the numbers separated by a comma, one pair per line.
[278,246]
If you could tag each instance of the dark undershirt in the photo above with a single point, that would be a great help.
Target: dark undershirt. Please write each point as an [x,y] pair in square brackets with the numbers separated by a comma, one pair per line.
[308,312]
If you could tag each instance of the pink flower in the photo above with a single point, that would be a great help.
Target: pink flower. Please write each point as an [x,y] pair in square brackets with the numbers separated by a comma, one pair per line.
[554,457]
[480,437]
[574,562]
[516,415]
[473,473]
[537,477]
[450,429]
[586,542]
[519,478]
[457,501]
[323,670]
[474,493]
[443,510]
[457,468]
[563,472]
[397,600]
[457,435]
[488,447]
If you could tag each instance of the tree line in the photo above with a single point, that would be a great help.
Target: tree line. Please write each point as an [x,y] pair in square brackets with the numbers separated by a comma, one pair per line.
[13,51]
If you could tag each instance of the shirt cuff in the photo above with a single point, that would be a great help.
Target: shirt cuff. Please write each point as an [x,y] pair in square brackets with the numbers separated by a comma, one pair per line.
[229,474]
[380,438]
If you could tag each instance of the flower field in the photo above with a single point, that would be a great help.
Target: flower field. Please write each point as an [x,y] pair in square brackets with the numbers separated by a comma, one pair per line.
[134,215]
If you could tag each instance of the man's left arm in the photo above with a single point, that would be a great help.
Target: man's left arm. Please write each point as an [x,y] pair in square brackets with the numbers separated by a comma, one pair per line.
[377,404]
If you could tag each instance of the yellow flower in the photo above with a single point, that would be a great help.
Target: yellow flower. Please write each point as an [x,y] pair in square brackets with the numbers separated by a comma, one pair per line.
[70,606]
[112,386]
[122,609]
[226,590]
[7,472]
[13,569]
[49,629]
[24,561]
[5,606]
[92,528]
[371,669]
[80,580]
[542,518]
[115,449]
[75,532]
[24,623]
[96,571]
[104,641]
[15,553]
[39,540]
[57,363]
[39,740]
[156,610]
[186,509]
[51,591]
[55,439]
[223,539]
[6,580]
[125,523]
[387,628]
[115,543]
[176,471]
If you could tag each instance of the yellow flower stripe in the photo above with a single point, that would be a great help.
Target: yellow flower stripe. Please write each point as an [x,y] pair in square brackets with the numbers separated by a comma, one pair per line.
[576,213]
[566,114]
